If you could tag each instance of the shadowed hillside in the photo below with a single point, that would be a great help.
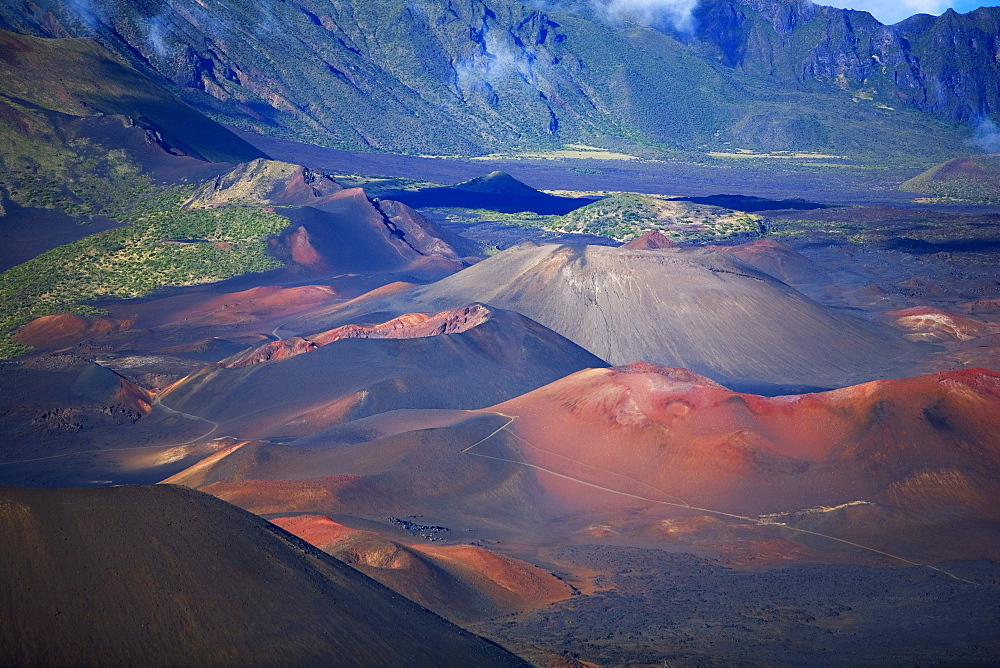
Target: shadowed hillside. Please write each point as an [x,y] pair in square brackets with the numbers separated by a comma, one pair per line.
[469,358]
[80,78]
[162,575]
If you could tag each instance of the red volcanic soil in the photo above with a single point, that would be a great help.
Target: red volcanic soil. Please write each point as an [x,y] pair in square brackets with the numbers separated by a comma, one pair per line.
[374,294]
[926,323]
[273,350]
[652,240]
[461,582]
[203,306]
[62,329]
[302,251]
[264,497]
[348,232]
[255,304]
[671,436]
[166,576]
[303,188]
[410,326]
[777,259]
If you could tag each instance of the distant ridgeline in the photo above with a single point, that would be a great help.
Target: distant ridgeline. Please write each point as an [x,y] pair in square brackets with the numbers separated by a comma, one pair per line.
[487,75]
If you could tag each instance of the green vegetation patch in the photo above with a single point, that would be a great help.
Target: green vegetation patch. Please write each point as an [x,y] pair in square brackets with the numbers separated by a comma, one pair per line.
[376,186]
[164,243]
[625,216]
[165,247]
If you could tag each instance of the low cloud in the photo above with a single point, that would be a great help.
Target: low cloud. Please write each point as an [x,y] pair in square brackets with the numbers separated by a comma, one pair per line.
[987,136]
[155,36]
[677,13]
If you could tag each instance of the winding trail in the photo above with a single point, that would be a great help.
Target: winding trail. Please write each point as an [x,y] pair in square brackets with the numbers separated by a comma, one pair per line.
[759,521]
[156,402]
[767,521]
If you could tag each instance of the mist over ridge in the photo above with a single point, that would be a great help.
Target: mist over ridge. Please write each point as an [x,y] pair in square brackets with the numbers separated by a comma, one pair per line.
[654,76]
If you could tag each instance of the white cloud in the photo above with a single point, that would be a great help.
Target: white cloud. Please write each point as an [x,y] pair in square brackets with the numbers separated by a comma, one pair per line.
[648,12]
[987,136]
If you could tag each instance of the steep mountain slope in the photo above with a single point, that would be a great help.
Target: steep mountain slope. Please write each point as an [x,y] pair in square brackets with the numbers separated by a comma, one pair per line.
[181,578]
[936,64]
[701,309]
[79,77]
[472,77]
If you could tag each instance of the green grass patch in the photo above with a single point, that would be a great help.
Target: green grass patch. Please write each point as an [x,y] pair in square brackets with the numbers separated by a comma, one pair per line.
[163,243]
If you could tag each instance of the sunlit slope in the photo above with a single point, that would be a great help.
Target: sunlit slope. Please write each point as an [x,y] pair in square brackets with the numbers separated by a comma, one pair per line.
[701,309]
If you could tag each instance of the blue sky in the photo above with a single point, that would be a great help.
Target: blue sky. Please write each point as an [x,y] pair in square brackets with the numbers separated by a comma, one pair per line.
[892,11]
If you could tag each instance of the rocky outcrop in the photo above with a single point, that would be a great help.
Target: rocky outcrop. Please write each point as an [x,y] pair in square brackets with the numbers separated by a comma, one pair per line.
[264,182]
[926,323]
[410,326]
[652,240]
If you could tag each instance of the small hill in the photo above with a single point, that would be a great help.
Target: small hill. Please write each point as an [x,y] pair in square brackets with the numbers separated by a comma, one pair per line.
[969,179]
[685,441]
[496,191]
[164,575]
[652,240]
[626,216]
[346,231]
[461,582]
[265,182]
[777,259]
[498,183]
[926,323]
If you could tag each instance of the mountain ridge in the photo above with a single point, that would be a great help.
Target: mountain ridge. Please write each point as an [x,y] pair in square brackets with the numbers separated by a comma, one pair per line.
[468,79]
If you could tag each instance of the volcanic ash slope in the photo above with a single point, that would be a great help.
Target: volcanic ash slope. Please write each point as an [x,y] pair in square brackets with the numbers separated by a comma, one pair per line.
[167,576]
[462,358]
[701,309]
